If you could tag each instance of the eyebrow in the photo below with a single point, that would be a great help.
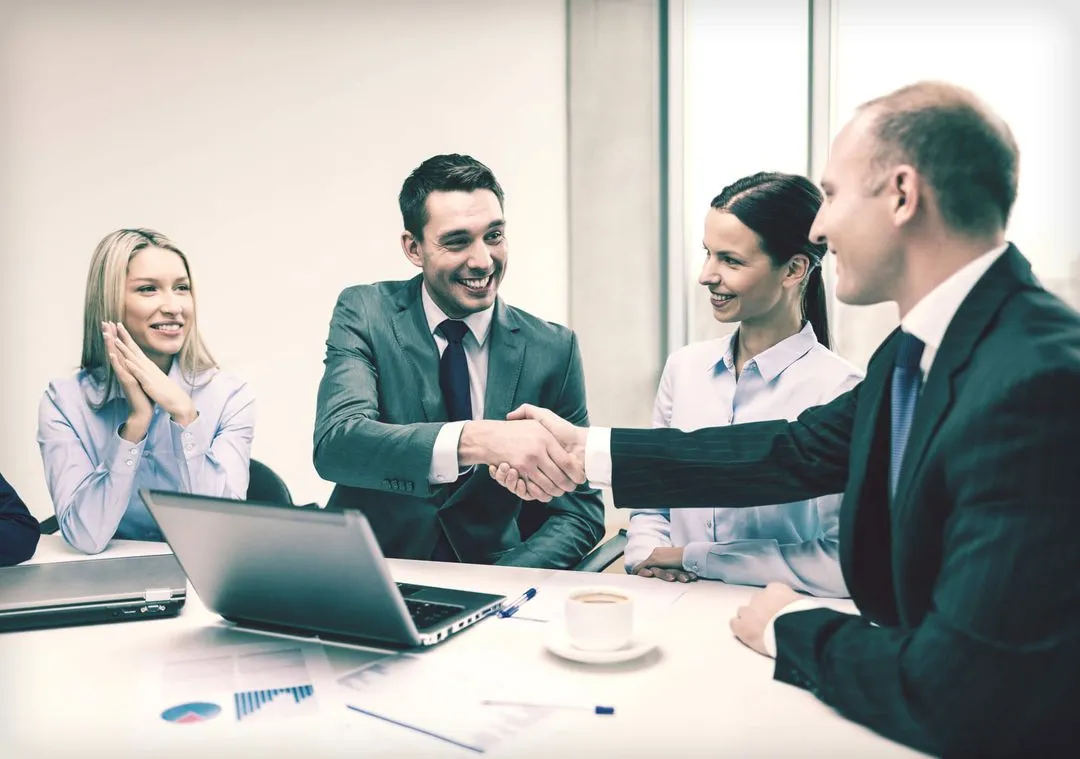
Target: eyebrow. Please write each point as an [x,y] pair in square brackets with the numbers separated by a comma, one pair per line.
[721,251]
[497,224]
[155,280]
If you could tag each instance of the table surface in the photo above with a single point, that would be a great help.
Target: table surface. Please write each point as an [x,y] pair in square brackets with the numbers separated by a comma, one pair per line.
[699,693]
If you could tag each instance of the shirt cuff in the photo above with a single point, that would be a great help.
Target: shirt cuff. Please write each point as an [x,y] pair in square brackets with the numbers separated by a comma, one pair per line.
[125,454]
[695,556]
[769,637]
[444,456]
[193,440]
[598,457]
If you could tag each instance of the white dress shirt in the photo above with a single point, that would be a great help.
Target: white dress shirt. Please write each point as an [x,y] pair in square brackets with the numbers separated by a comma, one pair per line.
[794,543]
[444,456]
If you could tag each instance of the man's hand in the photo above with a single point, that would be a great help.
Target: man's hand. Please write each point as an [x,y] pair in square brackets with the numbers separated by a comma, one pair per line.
[527,447]
[665,563]
[750,621]
[521,482]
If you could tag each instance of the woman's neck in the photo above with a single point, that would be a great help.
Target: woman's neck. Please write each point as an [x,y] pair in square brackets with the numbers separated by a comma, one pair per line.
[756,337]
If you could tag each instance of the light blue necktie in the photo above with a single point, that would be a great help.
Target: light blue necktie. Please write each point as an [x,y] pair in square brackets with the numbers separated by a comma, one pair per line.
[906,383]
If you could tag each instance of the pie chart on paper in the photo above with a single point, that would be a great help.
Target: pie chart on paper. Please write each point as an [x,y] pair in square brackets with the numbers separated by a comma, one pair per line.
[187,714]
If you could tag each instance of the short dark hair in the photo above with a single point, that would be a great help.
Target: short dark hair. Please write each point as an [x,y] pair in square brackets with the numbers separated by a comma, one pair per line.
[966,152]
[442,173]
[780,209]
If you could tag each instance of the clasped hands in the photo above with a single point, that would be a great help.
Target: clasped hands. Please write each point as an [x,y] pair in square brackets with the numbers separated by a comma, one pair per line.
[535,454]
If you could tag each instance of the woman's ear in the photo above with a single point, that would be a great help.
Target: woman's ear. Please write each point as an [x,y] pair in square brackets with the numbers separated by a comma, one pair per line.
[798,267]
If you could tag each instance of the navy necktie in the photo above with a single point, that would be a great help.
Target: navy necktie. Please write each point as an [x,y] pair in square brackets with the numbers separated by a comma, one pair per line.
[906,383]
[454,383]
[454,372]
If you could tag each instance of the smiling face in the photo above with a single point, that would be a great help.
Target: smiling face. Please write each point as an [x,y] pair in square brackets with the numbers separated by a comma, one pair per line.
[858,220]
[744,285]
[463,252]
[158,306]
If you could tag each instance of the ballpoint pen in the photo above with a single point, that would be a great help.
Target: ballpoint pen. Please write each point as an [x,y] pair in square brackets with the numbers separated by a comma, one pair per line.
[508,610]
[593,709]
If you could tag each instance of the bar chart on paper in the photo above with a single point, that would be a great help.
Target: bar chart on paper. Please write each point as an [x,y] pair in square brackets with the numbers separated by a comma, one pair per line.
[264,683]
[250,702]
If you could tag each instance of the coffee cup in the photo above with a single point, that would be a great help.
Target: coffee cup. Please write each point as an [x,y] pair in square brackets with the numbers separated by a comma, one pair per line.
[599,618]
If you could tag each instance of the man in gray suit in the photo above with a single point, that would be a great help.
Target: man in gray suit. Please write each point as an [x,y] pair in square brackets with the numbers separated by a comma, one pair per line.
[419,378]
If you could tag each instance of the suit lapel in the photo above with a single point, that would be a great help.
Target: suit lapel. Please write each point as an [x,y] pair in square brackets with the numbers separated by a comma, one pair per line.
[864,492]
[506,354]
[418,347]
[972,321]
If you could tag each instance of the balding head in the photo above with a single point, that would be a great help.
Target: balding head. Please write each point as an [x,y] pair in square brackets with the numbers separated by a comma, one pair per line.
[965,152]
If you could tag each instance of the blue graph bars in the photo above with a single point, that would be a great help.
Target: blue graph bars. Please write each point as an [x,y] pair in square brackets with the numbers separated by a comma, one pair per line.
[249,702]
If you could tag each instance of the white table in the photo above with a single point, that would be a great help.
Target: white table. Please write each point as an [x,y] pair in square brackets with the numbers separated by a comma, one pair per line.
[68,692]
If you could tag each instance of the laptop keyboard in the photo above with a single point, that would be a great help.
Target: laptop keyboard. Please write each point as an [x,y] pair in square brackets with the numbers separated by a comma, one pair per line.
[426,615]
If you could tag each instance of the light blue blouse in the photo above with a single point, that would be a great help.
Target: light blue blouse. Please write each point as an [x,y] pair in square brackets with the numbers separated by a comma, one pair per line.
[794,543]
[94,475]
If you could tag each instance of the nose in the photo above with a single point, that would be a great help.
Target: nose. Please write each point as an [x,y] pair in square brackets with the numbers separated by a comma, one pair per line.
[479,257]
[172,305]
[817,229]
[709,273]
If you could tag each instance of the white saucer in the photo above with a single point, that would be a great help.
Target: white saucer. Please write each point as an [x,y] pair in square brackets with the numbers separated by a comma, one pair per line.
[559,645]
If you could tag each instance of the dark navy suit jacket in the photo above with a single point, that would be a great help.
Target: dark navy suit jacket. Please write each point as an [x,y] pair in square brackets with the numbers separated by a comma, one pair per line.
[19,530]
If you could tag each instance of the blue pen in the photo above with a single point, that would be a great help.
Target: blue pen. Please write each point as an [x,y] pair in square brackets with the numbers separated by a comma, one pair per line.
[606,710]
[510,609]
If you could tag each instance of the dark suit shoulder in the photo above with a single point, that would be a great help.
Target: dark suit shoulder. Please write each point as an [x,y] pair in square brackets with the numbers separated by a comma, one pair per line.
[375,291]
[534,327]
[1038,330]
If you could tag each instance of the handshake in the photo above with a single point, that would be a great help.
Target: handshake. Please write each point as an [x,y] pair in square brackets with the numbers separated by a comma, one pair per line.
[535,454]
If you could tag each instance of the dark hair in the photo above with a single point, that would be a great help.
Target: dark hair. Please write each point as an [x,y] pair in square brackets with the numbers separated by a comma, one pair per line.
[779,209]
[442,173]
[966,152]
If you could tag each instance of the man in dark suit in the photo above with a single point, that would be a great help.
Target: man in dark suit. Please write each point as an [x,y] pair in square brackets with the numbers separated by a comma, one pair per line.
[19,531]
[958,531]
[413,370]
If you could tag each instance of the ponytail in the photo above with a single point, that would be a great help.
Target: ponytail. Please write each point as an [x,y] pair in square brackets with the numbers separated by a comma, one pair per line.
[815,309]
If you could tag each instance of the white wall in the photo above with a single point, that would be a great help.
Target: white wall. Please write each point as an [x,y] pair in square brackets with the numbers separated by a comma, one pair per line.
[269,140]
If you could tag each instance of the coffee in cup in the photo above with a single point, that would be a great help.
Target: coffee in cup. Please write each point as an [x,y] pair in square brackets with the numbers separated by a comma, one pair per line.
[599,619]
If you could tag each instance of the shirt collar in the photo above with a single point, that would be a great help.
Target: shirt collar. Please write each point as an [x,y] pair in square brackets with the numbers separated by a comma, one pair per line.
[773,361]
[479,322]
[930,317]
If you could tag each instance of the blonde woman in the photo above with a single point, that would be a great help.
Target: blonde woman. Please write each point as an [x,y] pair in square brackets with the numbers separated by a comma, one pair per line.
[149,408]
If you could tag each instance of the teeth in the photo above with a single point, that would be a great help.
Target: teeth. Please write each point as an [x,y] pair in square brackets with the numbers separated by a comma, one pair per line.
[167,327]
[478,284]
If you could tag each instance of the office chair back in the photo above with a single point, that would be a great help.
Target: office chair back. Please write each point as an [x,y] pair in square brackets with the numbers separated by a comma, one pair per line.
[263,485]
[604,555]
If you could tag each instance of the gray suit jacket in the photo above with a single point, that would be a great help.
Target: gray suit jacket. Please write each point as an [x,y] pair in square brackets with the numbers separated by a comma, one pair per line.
[380,409]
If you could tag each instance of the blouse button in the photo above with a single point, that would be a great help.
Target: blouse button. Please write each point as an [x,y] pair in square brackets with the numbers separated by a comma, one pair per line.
[128,462]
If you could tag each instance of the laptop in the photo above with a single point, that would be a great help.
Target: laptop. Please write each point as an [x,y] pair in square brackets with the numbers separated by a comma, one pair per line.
[305,572]
[36,596]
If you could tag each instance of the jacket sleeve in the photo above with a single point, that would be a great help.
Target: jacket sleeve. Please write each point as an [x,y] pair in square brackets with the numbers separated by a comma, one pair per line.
[19,531]
[351,446]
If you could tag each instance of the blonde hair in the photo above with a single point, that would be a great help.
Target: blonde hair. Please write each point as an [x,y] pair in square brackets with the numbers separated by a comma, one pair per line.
[106,285]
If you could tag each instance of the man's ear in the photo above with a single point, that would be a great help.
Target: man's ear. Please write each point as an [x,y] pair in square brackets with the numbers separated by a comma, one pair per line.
[410,246]
[906,188]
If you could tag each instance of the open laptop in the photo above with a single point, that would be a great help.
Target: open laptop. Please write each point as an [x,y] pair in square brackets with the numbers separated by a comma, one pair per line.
[305,572]
[35,596]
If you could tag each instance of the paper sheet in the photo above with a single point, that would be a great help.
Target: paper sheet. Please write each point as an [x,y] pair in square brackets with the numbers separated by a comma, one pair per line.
[440,699]
[245,687]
